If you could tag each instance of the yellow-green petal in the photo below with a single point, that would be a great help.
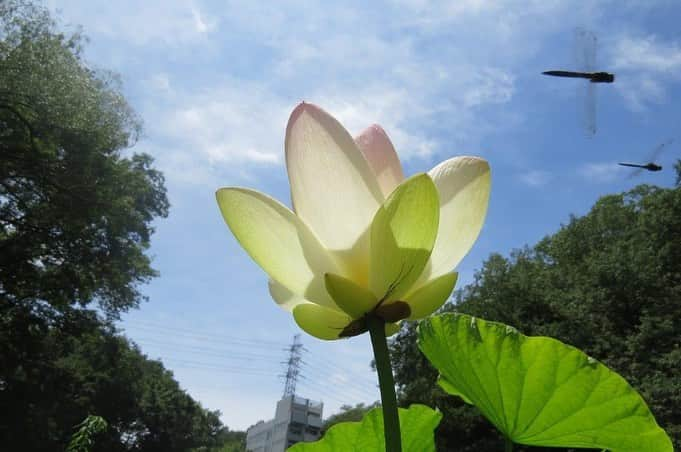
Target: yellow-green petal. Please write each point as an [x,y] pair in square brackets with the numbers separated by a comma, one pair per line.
[428,298]
[402,236]
[351,298]
[278,241]
[392,328]
[321,322]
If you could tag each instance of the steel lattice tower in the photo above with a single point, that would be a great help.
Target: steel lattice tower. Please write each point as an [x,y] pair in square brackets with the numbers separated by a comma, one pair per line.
[293,366]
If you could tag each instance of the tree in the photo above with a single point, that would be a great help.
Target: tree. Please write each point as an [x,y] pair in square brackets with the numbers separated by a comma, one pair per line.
[608,283]
[229,441]
[55,374]
[83,440]
[75,212]
[75,222]
[348,413]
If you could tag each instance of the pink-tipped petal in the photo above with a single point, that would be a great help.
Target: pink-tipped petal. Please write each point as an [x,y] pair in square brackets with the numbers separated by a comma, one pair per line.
[333,189]
[380,153]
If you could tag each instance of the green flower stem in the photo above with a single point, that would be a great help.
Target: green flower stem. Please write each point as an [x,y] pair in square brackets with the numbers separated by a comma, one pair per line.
[509,445]
[391,420]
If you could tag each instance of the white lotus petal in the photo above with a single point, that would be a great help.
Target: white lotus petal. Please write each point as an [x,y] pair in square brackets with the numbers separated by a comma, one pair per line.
[380,153]
[463,184]
[278,241]
[333,189]
[284,298]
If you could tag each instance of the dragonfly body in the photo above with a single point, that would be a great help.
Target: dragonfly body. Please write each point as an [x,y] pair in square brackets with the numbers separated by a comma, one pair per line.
[649,166]
[593,77]
[651,158]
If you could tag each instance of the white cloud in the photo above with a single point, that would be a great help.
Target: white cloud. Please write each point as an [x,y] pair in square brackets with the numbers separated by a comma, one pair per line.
[490,86]
[535,178]
[601,172]
[200,23]
[639,92]
[160,82]
[200,135]
[151,22]
[644,67]
[404,66]
[647,54]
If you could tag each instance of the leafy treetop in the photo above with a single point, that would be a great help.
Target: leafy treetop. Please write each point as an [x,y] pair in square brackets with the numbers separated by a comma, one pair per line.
[75,209]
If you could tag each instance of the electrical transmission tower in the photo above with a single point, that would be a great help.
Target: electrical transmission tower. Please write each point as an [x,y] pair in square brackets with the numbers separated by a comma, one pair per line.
[293,366]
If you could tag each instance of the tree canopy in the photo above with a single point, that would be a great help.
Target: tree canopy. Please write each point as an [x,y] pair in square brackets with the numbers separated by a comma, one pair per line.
[55,374]
[608,282]
[76,213]
[75,207]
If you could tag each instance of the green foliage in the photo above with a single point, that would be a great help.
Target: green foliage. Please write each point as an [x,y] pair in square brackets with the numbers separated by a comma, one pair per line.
[75,222]
[348,413]
[416,425]
[231,441]
[54,372]
[84,438]
[608,283]
[462,427]
[75,214]
[537,390]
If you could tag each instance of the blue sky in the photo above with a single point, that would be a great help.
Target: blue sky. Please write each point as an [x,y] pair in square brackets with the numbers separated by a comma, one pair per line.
[215,81]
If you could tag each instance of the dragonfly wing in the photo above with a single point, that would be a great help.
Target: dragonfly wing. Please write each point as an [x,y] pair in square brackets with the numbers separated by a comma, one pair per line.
[585,50]
[635,173]
[588,115]
[658,150]
[585,60]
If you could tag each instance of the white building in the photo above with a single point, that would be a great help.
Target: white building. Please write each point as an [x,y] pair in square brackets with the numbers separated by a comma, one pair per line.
[295,420]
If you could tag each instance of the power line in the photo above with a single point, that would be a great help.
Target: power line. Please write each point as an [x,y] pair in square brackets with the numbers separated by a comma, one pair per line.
[218,352]
[356,376]
[187,332]
[210,366]
[335,394]
[333,367]
[157,335]
[177,350]
[342,389]
[347,381]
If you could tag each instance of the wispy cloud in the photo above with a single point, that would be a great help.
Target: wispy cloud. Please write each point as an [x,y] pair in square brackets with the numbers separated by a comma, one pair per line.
[535,178]
[647,53]
[151,22]
[645,66]
[407,65]
[213,131]
[601,172]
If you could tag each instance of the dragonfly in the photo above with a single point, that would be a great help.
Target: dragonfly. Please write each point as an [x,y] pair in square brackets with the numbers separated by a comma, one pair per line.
[651,165]
[585,59]
[593,77]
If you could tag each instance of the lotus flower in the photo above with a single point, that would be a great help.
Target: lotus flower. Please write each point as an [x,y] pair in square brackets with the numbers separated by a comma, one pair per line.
[361,239]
